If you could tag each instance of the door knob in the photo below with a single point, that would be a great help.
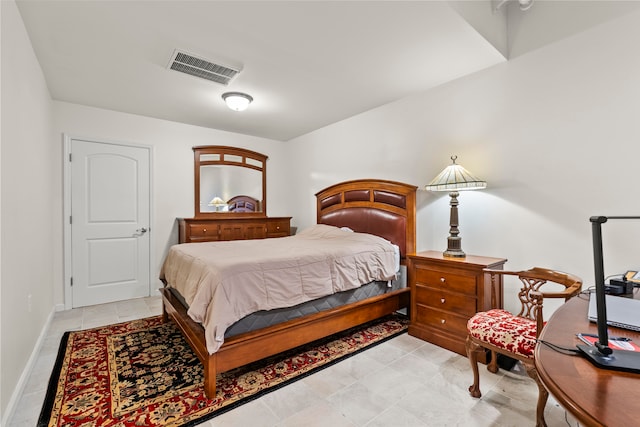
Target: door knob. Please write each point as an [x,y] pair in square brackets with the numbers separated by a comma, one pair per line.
[142,230]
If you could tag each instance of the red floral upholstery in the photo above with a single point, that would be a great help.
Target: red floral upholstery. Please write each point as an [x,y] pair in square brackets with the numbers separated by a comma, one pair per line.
[504,330]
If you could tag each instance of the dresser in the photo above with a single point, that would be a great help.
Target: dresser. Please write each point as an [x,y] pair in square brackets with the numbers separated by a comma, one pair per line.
[236,178]
[446,292]
[193,230]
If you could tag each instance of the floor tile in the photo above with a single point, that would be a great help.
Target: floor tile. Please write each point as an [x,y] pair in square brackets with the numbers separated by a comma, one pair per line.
[320,414]
[397,417]
[255,414]
[329,380]
[290,399]
[359,404]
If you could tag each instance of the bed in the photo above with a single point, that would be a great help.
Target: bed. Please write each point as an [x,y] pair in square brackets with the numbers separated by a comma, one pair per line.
[378,207]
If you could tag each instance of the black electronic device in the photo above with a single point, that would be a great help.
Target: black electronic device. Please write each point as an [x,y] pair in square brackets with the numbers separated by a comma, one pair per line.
[619,287]
[601,354]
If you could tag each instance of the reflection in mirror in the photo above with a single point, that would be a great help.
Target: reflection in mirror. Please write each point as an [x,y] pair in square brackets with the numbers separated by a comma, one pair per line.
[230,181]
[219,183]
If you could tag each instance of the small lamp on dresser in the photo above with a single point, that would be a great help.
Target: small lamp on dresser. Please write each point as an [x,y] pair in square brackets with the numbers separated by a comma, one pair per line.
[453,179]
[217,203]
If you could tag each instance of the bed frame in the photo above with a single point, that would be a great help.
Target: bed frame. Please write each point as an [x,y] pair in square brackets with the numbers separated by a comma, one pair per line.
[384,208]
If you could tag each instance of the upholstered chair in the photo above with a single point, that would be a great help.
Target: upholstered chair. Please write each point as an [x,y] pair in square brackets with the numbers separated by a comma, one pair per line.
[515,336]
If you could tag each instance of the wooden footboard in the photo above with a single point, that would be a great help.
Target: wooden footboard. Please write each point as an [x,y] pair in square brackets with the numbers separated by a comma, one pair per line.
[251,346]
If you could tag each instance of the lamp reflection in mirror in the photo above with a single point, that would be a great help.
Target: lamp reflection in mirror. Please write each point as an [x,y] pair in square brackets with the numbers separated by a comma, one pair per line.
[454,178]
[237,101]
[218,203]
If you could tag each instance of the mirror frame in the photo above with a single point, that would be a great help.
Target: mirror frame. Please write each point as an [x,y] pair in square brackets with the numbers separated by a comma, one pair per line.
[224,151]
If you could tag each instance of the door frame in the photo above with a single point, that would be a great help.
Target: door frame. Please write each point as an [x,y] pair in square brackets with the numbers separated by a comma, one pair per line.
[66,211]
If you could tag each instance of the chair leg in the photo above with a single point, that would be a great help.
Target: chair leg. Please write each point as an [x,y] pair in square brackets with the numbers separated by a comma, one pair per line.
[472,354]
[493,365]
[543,394]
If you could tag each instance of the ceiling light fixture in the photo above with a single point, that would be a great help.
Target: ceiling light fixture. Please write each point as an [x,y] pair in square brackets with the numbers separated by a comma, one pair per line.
[237,101]
[524,4]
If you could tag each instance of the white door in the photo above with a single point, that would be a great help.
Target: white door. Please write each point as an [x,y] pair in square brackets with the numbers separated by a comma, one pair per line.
[110,201]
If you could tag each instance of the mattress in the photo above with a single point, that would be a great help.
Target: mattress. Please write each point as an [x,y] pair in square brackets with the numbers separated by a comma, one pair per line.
[265,318]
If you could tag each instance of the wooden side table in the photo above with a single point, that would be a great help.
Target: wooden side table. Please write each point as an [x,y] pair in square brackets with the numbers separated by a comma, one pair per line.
[446,292]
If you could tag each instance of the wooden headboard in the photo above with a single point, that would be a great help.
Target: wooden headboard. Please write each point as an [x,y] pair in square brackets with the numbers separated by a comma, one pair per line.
[243,204]
[384,208]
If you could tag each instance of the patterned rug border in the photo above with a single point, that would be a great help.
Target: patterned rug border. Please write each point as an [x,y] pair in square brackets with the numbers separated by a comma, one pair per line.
[50,396]
[47,407]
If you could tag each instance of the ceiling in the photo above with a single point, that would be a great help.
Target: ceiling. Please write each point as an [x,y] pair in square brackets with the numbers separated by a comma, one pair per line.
[307,64]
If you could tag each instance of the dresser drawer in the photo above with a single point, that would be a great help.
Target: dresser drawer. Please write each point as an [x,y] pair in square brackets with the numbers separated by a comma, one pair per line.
[203,231]
[279,228]
[444,320]
[446,280]
[446,301]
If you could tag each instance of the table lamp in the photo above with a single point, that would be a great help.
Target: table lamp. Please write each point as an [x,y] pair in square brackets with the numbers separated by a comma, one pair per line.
[454,178]
[217,202]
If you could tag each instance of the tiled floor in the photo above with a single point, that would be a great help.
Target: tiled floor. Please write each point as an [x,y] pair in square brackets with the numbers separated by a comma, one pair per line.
[403,382]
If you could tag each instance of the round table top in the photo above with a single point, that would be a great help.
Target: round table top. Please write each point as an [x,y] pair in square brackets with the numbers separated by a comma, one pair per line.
[595,396]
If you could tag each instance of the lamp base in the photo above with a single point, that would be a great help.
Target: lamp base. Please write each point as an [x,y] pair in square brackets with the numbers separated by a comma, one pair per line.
[619,360]
[454,247]
[454,254]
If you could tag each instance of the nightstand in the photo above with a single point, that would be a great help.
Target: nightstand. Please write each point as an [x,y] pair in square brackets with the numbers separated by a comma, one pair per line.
[446,292]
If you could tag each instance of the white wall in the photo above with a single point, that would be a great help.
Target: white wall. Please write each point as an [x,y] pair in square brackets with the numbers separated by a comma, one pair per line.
[27,198]
[172,180]
[554,133]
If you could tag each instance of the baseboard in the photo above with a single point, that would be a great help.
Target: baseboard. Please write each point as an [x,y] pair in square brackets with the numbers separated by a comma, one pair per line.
[24,377]
[59,307]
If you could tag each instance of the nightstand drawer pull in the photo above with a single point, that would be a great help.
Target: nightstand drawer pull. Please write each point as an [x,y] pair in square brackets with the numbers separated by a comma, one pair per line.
[442,300]
[442,279]
[442,321]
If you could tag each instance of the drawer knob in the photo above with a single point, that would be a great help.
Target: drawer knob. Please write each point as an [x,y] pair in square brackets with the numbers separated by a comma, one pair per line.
[442,279]
[442,321]
[205,230]
[442,300]
[277,228]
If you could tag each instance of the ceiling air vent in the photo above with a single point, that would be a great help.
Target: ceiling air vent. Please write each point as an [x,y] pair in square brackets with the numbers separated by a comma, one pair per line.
[198,67]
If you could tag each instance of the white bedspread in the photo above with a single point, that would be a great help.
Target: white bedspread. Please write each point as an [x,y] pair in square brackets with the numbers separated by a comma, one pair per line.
[224,281]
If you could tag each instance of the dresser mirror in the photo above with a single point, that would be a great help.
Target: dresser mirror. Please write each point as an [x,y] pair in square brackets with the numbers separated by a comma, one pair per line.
[229,181]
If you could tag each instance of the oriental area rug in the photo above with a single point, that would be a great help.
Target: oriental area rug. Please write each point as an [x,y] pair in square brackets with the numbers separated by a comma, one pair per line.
[143,373]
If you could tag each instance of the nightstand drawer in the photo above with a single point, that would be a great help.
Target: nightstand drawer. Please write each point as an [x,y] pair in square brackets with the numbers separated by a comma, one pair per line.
[449,281]
[447,301]
[444,320]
